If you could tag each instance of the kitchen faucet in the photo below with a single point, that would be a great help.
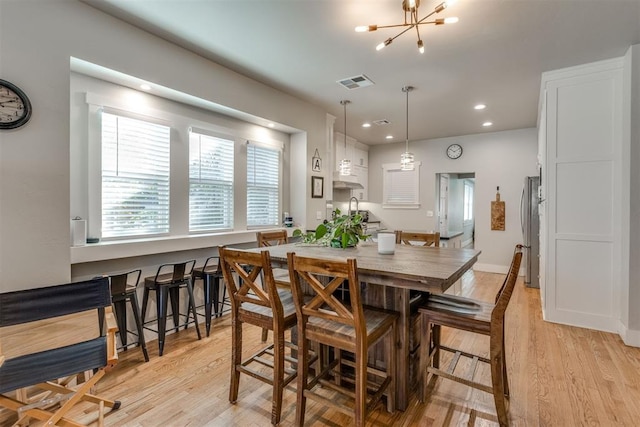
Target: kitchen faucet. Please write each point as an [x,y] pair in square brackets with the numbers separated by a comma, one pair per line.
[357,210]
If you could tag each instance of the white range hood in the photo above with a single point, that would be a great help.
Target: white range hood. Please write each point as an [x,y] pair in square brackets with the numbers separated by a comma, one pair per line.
[345,181]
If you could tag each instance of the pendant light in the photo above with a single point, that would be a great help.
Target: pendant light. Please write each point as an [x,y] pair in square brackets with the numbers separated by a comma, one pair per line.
[407,160]
[345,164]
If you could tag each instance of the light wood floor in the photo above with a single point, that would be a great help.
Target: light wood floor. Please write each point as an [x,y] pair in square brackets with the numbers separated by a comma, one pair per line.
[559,376]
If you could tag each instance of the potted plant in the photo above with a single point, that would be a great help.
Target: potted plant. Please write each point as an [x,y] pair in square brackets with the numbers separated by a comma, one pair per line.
[342,231]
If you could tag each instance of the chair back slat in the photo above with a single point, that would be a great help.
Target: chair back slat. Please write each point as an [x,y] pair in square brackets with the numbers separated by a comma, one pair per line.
[119,282]
[271,238]
[418,239]
[322,278]
[42,303]
[506,290]
[241,270]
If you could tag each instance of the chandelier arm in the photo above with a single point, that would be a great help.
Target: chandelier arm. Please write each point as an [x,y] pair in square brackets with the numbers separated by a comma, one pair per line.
[402,32]
[429,15]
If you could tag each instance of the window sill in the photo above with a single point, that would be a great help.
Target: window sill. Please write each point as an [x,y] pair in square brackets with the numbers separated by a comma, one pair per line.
[131,248]
[401,206]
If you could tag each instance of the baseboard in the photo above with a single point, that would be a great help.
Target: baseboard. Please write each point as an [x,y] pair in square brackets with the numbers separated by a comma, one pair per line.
[630,337]
[491,268]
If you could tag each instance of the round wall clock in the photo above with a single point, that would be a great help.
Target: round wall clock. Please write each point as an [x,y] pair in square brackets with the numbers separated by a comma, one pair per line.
[15,107]
[454,151]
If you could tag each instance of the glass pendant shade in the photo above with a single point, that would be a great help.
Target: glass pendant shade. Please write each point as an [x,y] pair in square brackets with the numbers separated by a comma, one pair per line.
[345,167]
[407,161]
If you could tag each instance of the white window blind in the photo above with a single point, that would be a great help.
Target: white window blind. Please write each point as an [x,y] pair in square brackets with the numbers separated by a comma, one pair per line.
[135,177]
[263,185]
[400,188]
[210,182]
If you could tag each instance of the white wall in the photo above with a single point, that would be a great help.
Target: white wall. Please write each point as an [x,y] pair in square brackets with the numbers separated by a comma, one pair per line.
[498,159]
[630,292]
[35,159]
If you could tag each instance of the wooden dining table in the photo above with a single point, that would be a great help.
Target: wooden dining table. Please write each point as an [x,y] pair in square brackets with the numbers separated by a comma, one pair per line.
[389,281]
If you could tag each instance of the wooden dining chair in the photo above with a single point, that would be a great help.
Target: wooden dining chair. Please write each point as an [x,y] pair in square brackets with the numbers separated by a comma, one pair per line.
[281,275]
[472,316]
[417,239]
[343,325]
[267,307]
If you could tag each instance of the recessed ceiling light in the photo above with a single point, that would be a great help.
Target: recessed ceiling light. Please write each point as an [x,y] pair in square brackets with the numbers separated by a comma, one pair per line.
[271,125]
[486,124]
[145,87]
[366,125]
[389,136]
[480,107]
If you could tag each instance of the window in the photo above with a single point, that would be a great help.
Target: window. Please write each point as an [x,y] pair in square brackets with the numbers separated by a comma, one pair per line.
[468,201]
[400,188]
[210,181]
[135,177]
[263,185]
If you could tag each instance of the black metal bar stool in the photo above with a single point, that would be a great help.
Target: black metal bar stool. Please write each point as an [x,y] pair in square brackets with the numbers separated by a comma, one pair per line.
[167,283]
[123,289]
[210,273]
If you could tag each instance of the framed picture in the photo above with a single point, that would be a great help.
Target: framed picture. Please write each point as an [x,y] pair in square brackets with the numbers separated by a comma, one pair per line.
[317,187]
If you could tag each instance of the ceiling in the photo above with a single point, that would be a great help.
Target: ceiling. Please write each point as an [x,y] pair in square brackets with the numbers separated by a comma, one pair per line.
[494,55]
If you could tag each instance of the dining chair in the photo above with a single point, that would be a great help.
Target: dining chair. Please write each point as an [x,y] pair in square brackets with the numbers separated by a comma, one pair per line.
[345,326]
[210,274]
[56,362]
[417,239]
[280,275]
[267,307]
[471,316]
[124,288]
[166,283]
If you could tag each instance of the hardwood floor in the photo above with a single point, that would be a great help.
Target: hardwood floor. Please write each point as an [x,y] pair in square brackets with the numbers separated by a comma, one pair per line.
[559,376]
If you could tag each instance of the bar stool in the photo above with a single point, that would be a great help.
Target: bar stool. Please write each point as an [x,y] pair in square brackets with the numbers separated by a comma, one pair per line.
[167,283]
[211,273]
[123,289]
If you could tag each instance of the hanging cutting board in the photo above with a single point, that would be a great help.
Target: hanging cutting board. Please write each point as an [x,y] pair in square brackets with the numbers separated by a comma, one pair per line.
[497,213]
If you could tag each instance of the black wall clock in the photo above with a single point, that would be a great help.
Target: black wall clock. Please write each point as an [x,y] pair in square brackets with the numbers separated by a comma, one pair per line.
[15,107]
[454,151]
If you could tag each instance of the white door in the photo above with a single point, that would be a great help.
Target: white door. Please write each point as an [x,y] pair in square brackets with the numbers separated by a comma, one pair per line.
[443,208]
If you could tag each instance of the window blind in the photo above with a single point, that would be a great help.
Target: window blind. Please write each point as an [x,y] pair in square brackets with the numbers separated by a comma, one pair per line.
[263,185]
[135,177]
[400,188]
[210,182]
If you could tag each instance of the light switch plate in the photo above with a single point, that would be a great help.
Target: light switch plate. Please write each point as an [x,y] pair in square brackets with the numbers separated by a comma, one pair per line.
[318,214]
[429,214]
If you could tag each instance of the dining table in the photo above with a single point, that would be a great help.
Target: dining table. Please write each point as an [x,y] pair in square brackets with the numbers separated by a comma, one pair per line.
[390,281]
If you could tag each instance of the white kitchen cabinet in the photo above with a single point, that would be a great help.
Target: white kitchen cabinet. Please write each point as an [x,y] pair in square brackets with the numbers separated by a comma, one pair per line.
[360,157]
[363,178]
[581,155]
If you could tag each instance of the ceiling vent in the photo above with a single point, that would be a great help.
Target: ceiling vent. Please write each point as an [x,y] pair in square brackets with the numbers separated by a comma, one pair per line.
[356,82]
[381,122]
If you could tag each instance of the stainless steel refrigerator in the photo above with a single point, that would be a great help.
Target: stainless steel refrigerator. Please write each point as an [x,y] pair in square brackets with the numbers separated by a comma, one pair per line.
[530,222]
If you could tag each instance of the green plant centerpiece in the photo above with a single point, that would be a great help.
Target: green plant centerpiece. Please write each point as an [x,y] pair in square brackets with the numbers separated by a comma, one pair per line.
[343,231]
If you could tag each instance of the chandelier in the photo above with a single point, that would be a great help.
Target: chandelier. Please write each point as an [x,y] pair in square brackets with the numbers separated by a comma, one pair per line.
[345,164]
[410,8]
[407,160]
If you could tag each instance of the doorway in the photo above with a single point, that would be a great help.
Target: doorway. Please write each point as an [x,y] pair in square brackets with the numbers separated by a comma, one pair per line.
[455,207]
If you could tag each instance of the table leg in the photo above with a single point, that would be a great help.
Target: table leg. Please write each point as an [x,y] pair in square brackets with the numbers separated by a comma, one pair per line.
[403,382]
